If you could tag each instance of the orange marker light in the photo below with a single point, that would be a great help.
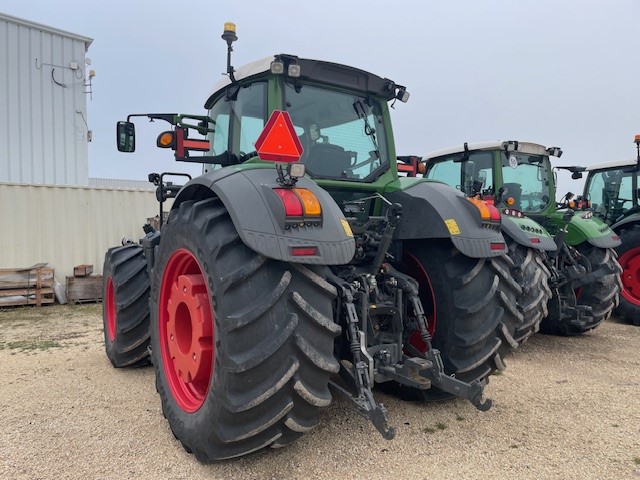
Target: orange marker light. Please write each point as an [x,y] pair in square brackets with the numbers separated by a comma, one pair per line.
[485,213]
[310,202]
[166,139]
[510,201]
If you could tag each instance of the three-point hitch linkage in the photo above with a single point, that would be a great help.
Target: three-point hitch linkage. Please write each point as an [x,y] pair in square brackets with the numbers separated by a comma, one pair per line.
[380,307]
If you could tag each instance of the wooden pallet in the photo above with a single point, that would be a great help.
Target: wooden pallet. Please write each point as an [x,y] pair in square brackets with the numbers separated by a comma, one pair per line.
[27,286]
[26,296]
[36,277]
[84,289]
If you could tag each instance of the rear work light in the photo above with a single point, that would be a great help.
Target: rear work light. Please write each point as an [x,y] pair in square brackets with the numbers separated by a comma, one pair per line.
[301,206]
[512,212]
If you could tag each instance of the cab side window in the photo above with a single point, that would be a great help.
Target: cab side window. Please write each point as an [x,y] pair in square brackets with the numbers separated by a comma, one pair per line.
[239,121]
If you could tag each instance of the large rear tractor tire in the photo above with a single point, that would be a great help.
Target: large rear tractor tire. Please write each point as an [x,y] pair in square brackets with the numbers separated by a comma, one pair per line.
[125,306]
[629,258]
[603,295]
[532,275]
[242,345]
[466,301]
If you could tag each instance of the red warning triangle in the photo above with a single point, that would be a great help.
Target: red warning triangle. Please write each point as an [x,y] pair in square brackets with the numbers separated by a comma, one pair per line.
[278,141]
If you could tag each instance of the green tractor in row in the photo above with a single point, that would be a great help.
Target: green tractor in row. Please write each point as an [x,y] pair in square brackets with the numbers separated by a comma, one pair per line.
[271,276]
[573,252]
[612,193]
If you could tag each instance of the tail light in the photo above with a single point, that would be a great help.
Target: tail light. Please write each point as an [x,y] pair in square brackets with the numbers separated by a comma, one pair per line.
[301,206]
[488,213]
[292,204]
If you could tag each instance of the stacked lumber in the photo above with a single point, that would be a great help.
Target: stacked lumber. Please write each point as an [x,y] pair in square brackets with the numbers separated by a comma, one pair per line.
[26,286]
[84,287]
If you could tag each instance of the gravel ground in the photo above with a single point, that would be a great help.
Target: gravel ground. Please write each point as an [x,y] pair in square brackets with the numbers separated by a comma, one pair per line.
[565,408]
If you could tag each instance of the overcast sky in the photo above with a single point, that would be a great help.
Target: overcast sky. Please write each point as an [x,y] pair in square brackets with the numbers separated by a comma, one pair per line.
[562,73]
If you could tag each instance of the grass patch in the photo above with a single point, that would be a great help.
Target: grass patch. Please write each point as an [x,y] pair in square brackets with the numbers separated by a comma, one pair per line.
[459,417]
[441,426]
[29,315]
[636,460]
[498,373]
[429,430]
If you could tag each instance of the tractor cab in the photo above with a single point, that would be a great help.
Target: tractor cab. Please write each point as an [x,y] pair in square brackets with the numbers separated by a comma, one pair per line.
[513,175]
[612,189]
[338,113]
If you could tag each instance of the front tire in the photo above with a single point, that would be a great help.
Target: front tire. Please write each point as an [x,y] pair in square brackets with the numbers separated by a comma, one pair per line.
[125,306]
[242,344]
[629,258]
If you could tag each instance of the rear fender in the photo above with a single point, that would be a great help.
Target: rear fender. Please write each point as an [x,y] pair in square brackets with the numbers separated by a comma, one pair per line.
[584,227]
[258,215]
[434,210]
[528,233]
[626,222]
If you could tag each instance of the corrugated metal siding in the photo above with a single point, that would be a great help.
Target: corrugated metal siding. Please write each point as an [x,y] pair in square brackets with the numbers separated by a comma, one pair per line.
[43,134]
[67,226]
[119,183]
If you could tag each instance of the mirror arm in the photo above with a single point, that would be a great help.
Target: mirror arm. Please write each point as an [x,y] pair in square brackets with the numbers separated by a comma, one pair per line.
[225,159]
[172,118]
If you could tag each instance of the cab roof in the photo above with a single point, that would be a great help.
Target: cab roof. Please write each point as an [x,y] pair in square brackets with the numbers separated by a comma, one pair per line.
[318,70]
[615,164]
[524,147]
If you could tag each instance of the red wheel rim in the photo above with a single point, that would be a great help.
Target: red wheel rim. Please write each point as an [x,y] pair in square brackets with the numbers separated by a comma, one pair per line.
[578,292]
[186,330]
[630,261]
[427,296]
[110,307]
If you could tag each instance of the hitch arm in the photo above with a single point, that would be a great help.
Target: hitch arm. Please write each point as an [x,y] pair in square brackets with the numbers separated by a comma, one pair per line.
[364,401]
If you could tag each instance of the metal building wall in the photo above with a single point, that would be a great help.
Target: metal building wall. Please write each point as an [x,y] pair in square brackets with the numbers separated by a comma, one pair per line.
[43,128]
[121,183]
[67,226]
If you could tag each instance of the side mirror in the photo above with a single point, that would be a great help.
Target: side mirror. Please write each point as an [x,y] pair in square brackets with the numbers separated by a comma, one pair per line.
[576,175]
[126,137]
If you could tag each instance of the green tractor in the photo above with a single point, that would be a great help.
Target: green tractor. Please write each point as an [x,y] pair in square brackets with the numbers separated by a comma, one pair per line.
[612,191]
[576,249]
[272,275]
